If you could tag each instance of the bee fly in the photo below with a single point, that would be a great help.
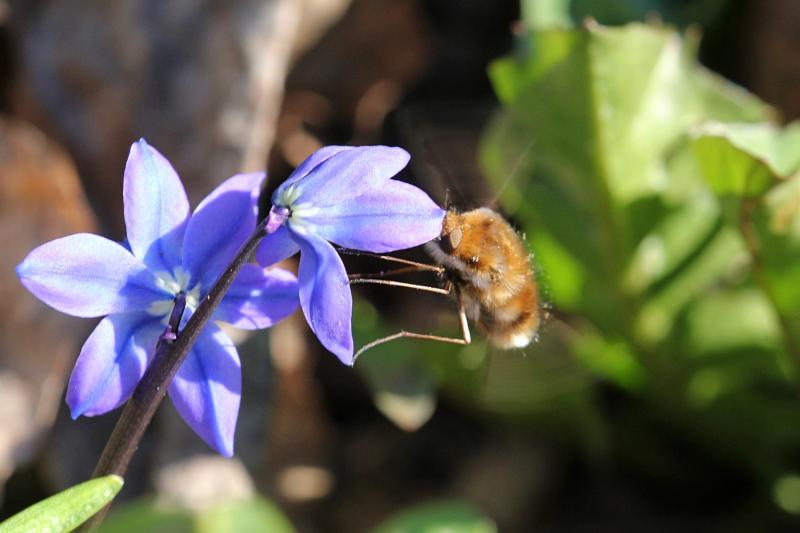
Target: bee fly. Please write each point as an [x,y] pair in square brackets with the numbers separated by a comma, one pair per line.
[487,267]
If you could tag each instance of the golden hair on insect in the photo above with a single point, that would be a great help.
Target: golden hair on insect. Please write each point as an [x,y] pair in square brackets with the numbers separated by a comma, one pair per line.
[489,266]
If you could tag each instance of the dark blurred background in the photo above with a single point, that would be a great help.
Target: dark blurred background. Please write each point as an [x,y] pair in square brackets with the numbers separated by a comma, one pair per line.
[223,86]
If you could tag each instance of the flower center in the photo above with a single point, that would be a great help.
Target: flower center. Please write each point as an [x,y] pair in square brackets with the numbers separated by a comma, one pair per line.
[175,282]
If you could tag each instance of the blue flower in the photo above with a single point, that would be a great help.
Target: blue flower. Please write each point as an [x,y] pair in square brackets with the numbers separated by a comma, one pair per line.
[344,195]
[170,252]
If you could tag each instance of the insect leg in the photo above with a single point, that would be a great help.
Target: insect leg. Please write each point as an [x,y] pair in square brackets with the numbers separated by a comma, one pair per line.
[393,283]
[392,259]
[462,316]
[408,335]
[385,273]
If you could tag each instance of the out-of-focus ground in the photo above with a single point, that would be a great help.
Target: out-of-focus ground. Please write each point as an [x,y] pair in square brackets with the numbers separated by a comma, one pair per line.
[223,86]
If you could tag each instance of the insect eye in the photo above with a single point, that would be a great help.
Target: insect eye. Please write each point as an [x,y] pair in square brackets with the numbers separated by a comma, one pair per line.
[455,237]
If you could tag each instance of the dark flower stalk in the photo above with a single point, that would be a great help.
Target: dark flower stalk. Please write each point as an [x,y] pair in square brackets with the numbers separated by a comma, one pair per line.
[170,354]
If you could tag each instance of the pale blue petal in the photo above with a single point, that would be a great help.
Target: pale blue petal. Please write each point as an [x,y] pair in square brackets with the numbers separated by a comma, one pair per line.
[394,216]
[259,298]
[111,363]
[156,208]
[309,164]
[344,174]
[207,389]
[325,296]
[220,226]
[88,275]
[276,247]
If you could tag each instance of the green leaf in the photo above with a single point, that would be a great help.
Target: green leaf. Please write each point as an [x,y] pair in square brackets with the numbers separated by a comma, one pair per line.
[727,321]
[612,359]
[445,517]
[148,515]
[540,14]
[714,262]
[610,186]
[66,510]
[254,516]
[726,102]
[776,225]
[745,160]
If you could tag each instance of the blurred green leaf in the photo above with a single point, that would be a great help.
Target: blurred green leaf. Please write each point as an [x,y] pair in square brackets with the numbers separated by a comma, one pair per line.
[757,167]
[726,321]
[786,493]
[725,101]
[709,266]
[540,14]
[66,510]
[776,232]
[745,160]
[777,224]
[148,515]
[253,516]
[666,244]
[612,359]
[445,517]
[610,189]
[631,138]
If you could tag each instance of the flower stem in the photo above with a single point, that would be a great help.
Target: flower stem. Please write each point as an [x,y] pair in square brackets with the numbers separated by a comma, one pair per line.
[170,354]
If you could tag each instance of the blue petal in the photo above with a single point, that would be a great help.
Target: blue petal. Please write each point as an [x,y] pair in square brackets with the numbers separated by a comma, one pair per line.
[88,275]
[309,164]
[111,363]
[220,226]
[207,389]
[276,247]
[325,296]
[156,208]
[346,173]
[394,216]
[259,298]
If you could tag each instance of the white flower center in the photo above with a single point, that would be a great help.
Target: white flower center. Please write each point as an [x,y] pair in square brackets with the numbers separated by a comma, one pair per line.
[175,282]
[289,195]
[299,212]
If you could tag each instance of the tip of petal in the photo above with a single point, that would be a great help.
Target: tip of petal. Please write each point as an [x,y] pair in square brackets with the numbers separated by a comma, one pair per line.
[76,411]
[344,354]
[20,270]
[225,450]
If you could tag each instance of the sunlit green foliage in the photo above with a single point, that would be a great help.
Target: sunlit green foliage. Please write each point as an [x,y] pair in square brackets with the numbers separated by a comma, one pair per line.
[661,204]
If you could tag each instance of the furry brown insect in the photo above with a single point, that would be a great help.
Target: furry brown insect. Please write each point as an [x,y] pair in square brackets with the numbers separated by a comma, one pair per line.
[489,266]
[486,265]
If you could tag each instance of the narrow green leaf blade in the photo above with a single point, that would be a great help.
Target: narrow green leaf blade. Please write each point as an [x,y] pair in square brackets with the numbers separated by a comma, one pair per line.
[66,510]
